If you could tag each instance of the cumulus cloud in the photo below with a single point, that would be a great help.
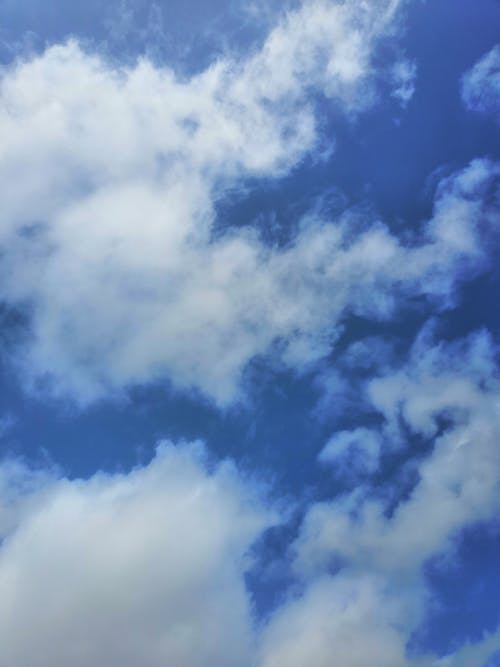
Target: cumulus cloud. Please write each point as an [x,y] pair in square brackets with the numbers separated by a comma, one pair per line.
[149,567]
[356,621]
[481,84]
[379,552]
[107,224]
[343,620]
[109,180]
[140,568]
[458,484]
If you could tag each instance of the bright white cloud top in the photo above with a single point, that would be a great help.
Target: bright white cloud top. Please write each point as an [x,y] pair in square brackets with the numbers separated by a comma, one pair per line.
[139,568]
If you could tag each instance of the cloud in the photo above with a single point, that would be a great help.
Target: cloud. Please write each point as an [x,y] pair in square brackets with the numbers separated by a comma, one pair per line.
[343,620]
[353,453]
[140,568]
[149,567]
[377,552]
[356,621]
[110,177]
[481,84]
[458,482]
[404,74]
[474,654]
[108,241]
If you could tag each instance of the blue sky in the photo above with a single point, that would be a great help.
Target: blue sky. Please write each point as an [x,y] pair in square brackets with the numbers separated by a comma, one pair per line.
[250,383]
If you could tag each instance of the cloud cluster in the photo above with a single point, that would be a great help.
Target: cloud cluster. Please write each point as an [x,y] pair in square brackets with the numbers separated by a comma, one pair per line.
[481,84]
[450,396]
[149,567]
[458,484]
[109,179]
[116,303]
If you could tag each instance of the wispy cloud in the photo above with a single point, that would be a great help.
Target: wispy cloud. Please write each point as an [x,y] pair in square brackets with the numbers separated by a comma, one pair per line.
[366,613]
[481,84]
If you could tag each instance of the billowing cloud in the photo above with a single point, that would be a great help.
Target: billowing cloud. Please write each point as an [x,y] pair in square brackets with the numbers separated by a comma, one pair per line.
[343,620]
[108,184]
[111,250]
[109,180]
[140,568]
[149,567]
[481,84]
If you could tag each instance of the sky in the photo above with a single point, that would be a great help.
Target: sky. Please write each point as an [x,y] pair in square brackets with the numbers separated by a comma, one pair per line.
[250,336]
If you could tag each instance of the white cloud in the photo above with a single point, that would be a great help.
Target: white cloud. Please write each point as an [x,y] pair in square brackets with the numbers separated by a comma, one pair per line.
[356,620]
[473,654]
[346,621]
[379,592]
[109,181]
[125,284]
[458,484]
[109,177]
[144,568]
[148,567]
[481,84]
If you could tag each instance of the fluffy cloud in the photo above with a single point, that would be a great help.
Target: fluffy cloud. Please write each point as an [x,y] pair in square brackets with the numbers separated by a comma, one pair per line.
[107,224]
[109,179]
[458,484]
[481,84]
[378,592]
[343,620]
[145,568]
[149,567]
